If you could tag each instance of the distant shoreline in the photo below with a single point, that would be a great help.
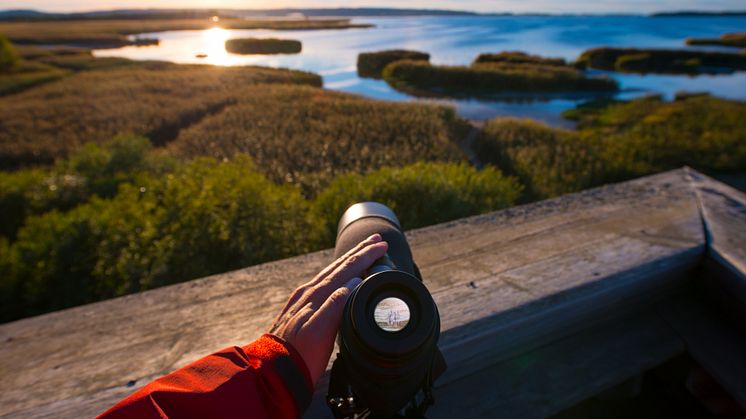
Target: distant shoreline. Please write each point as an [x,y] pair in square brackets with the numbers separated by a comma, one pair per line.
[144,14]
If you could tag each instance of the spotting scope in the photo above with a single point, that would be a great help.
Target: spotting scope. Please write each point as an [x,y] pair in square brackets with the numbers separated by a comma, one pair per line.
[388,357]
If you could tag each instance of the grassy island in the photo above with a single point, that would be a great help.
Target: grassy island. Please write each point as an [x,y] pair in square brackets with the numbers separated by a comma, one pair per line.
[518,57]
[662,61]
[263,46]
[371,64]
[736,40]
[484,78]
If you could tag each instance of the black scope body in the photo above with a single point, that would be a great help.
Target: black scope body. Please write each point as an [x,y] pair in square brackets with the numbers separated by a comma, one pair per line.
[388,354]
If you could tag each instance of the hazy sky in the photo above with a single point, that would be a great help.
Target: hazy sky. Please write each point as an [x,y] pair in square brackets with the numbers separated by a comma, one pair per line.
[548,6]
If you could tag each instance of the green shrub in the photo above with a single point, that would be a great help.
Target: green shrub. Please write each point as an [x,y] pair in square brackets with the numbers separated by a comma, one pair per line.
[484,79]
[371,64]
[8,56]
[421,194]
[263,46]
[205,217]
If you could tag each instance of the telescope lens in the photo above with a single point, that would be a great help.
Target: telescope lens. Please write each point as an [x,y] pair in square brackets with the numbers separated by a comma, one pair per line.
[391,314]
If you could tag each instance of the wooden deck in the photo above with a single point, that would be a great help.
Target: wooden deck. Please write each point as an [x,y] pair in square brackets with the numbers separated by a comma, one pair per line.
[542,306]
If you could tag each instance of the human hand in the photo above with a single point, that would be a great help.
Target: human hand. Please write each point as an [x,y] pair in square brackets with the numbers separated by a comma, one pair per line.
[311,317]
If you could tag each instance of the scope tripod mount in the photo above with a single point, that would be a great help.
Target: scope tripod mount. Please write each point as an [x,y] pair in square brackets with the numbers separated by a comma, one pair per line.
[388,357]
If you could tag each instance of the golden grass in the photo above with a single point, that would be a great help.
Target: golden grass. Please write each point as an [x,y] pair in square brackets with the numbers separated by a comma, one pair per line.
[113,33]
[307,136]
[156,100]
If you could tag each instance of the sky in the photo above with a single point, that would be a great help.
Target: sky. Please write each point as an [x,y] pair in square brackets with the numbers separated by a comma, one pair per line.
[542,6]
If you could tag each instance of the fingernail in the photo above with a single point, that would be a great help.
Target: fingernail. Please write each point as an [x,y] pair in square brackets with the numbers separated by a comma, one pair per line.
[352,283]
[375,237]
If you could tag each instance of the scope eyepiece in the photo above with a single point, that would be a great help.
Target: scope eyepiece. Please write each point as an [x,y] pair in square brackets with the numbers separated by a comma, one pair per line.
[390,326]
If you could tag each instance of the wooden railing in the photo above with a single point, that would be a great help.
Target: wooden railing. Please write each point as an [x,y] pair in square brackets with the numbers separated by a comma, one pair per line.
[542,306]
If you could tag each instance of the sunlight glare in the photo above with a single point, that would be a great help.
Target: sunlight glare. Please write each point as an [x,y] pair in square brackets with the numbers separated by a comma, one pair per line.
[214,41]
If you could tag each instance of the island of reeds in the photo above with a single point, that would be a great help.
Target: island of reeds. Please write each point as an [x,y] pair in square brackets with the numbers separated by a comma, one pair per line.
[263,46]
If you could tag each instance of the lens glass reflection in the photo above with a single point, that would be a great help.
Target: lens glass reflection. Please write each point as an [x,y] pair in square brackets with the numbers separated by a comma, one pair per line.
[391,314]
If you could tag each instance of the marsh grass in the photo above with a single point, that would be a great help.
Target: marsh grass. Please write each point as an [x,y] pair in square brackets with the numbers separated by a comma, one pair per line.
[308,136]
[371,64]
[736,40]
[489,78]
[616,141]
[152,99]
[263,46]
[662,61]
[519,57]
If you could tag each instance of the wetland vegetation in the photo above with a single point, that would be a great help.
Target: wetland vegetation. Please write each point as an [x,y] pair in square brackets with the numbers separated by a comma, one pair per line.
[263,46]
[371,64]
[634,60]
[120,176]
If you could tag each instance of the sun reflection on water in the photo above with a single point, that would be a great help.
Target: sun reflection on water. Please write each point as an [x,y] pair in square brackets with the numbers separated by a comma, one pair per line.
[214,44]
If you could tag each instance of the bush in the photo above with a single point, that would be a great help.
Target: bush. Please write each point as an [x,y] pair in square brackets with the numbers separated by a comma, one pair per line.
[661,60]
[263,46]
[421,194]
[93,170]
[484,79]
[205,217]
[371,64]
[8,56]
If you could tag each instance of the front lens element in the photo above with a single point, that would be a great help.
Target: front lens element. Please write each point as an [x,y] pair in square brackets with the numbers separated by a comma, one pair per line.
[391,314]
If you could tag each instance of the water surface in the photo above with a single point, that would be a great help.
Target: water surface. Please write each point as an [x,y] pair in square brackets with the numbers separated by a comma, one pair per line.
[458,40]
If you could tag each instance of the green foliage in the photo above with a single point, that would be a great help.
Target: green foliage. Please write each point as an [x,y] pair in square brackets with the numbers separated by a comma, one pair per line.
[371,64]
[648,135]
[421,194]
[203,218]
[307,136]
[8,56]
[736,40]
[661,60]
[485,78]
[263,46]
[92,170]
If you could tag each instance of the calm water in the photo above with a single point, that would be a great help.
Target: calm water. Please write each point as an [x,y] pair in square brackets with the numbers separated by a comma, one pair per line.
[458,40]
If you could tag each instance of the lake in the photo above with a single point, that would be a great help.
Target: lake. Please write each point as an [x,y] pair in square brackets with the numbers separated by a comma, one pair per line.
[458,40]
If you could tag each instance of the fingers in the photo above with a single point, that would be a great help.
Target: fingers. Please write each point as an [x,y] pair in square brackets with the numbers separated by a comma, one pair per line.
[329,315]
[375,238]
[357,264]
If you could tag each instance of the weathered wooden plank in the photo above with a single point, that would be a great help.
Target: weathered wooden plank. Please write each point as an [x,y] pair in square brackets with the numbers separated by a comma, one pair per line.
[723,212]
[531,265]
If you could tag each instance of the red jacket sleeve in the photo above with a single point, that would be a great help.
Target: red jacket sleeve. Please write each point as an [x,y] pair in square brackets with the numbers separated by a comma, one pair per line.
[265,379]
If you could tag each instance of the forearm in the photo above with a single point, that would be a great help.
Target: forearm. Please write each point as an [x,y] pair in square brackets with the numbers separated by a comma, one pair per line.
[266,378]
